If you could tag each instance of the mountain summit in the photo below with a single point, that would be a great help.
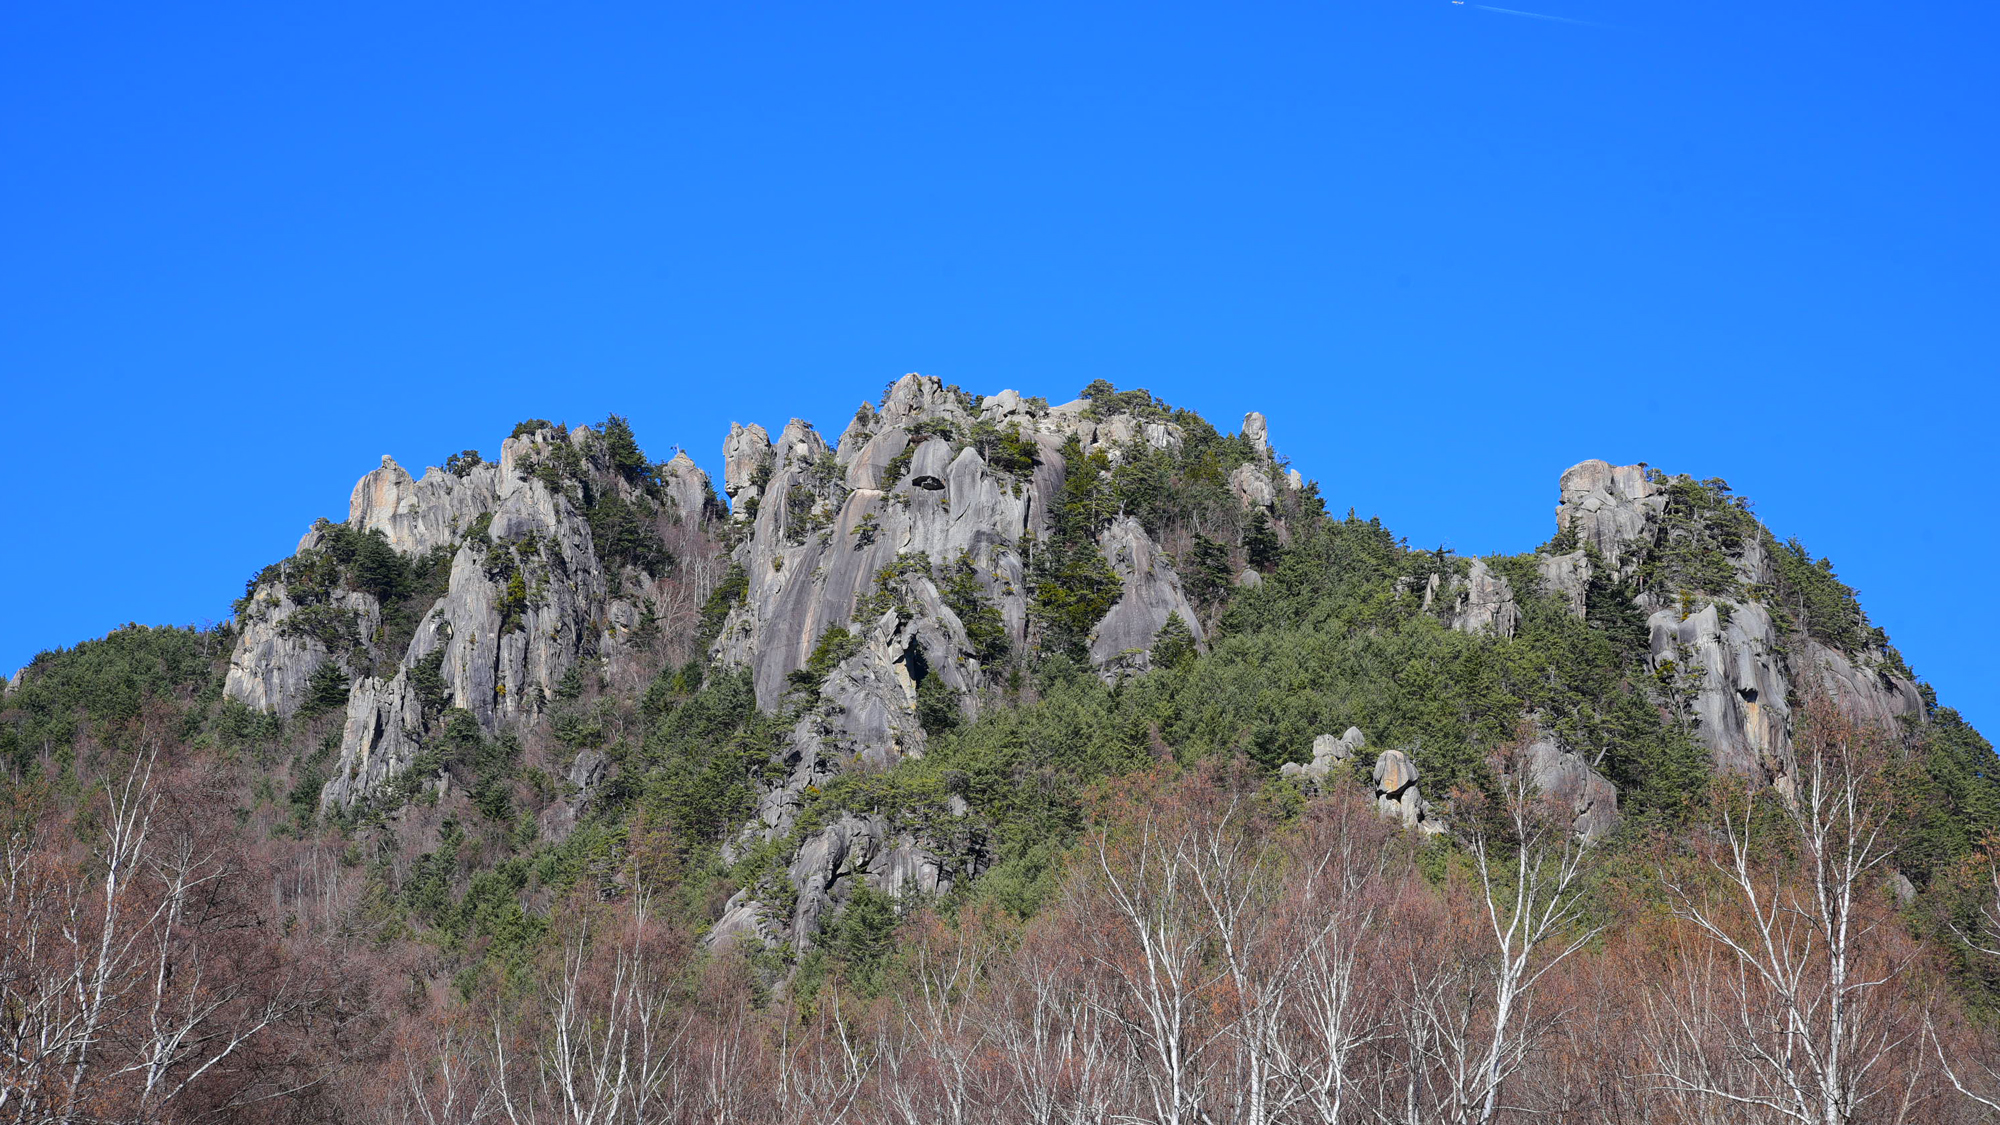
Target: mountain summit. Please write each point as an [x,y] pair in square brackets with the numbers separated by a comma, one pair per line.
[993,738]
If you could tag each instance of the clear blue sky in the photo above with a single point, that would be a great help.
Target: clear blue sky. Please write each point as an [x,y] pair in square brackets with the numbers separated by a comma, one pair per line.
[1449,250]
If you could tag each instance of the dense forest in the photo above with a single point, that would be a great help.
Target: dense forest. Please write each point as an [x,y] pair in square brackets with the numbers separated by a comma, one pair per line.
[667,874]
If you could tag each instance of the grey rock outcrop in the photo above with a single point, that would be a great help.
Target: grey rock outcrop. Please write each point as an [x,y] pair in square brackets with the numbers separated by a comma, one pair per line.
[1152,593]
[851,850]
[1258,432]
[1568,782]
[1483,602]
[279,646]
[744,455]
[418,516]
[1728,669]
[864,540]
[1397,795]
[1567,579]
[1252,486]
[525,599]
[1328,753]
[1860,684]
[382,736]
[1611,507]
[687,486]
[1733,682]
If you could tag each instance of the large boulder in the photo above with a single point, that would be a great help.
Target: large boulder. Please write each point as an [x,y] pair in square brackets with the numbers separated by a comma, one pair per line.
[1327,753]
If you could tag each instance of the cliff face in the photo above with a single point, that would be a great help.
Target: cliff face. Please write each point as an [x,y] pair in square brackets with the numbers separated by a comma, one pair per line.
[1732,669]
[525,597]
[889,578]
[856,537]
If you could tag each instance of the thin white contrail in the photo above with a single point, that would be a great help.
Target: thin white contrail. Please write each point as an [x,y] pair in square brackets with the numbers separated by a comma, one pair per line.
[1535,15]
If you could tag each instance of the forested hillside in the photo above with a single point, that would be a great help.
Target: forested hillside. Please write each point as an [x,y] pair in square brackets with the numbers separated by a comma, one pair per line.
[997,762]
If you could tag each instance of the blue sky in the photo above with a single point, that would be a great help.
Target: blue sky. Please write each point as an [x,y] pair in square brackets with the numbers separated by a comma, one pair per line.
[1449,250]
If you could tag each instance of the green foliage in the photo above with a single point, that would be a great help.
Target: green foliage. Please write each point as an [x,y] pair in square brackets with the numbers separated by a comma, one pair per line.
[891,589]
[834,646]
[1175,646]
[1962,808]
[697,769]
[427,678]
[1815,601]
[327,690]
[1107,400]
[727,595]
[483,767]
[513,604]
[1008,450]
[1260,542]
[1074,587]
[627,459]
[965,595]
[862,939]
[937,706]
[1702,529]
[623,534]
[462,463]
[104,685]
[898,466]
[531,426]
[1609,608]
[1206,576]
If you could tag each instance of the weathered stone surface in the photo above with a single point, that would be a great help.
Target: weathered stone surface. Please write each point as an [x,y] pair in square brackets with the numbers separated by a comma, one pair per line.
[1732,681]
[1258,431]
[418,516]
[833,861]
[687,486]
[1152,593]
[1397,794]
[1394,772]
[379,741]
[1860,685]
[1328,752]
[866,465]
[744,454]
[1484,603]
[1567,579]
[1613,507]
[930,464]
[524,602]
[1252,486]
[1586,797]
[273,662]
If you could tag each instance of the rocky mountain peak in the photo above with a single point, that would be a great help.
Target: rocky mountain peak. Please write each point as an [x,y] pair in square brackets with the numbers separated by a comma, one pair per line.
[1609,506]
[897,582]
